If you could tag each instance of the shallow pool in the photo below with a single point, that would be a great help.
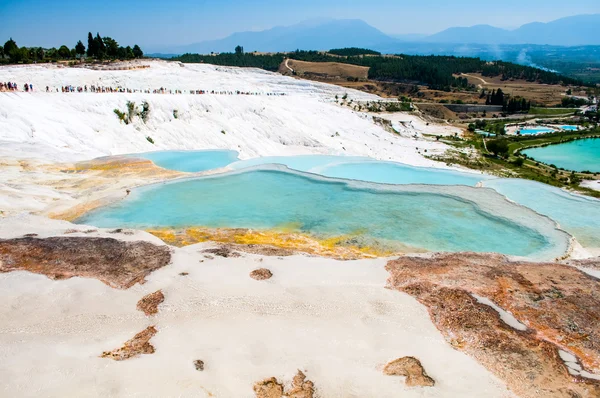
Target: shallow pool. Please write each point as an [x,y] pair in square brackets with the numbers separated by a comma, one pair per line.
[438,218]
[579,215]
[190,161]
[366,169]
[578,155]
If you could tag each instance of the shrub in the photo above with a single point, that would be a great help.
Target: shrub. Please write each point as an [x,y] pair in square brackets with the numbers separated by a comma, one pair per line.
[130,111]
[121,115]
[145,113]
[498,147]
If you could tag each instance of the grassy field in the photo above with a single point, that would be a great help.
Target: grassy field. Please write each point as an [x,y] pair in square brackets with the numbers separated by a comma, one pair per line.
[327,70]
[552,111]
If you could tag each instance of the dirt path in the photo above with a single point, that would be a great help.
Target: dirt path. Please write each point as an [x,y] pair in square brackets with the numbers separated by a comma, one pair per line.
[474,77]
[287,66]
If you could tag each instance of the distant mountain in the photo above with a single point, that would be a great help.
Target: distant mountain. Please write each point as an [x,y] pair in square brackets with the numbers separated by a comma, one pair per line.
[326,34]
[570,31]
[311,35]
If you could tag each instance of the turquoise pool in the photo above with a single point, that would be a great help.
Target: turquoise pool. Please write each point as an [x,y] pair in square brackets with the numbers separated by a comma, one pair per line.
[569,128]
[437,218]
[536,130]
[579,155]
[576,214]
[190,161]
[366,169]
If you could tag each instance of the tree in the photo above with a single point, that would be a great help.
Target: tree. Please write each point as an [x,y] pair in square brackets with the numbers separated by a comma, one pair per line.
[40,53]
[91,50]
[112,47]
[137,52]
[129,52]
[1,52]
[10,49]
[497,147]
[99,45]
[64,52]
[80,48]
[239,50]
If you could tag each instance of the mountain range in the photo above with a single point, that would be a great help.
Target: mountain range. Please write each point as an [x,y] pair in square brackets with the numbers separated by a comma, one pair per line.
[576,30]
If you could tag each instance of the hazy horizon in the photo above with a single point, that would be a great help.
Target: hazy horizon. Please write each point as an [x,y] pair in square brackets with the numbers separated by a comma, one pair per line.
[154,23]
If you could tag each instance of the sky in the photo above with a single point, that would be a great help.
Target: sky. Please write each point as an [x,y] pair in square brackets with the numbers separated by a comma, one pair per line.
[156,23]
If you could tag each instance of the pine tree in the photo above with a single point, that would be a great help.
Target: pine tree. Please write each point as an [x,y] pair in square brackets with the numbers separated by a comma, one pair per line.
[91,50]
[80,48]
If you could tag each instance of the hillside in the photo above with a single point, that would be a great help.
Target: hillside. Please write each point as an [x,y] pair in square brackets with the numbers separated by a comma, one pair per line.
[303,121]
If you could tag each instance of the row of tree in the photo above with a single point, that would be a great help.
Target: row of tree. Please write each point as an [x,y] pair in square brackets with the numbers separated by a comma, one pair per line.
[437,72]
[98,48]
[108,48]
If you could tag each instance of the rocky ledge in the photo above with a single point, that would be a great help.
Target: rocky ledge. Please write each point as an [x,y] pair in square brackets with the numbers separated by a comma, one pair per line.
[118,264]
[557,305]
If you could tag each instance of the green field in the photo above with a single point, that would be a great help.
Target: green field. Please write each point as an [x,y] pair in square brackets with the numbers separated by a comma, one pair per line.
[552,111]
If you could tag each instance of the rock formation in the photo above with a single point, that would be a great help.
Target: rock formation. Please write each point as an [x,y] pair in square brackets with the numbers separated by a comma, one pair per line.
[139,344]
[559,305]
[149,303]
[261,274]
[118,264]
[271,388]
[411,368]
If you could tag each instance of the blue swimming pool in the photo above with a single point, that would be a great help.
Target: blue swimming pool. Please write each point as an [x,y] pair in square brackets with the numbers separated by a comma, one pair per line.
[569,128]
[438,218]
[535,130]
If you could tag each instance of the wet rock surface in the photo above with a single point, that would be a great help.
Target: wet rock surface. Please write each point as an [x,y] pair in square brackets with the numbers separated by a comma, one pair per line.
[261,274]
[411,368]
[118,264]
[272,388]
[139,344]
[559,304]
[149,303]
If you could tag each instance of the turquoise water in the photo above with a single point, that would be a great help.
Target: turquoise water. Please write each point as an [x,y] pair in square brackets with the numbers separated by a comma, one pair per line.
[536,130]
[438,218]
[396,173]
[190,161]
[366,169]
[569,128]
[576,214]
[484,132]
[579,155]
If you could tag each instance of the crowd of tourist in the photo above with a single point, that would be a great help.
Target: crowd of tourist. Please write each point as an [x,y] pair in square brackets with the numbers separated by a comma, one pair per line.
[107,89]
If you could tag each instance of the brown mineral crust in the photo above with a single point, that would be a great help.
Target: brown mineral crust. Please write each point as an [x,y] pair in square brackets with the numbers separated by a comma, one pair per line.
[199,365]
[261,274]
[301,388]
[139,344]
[118,264]
[411,368]
[559,304]
[149,303]
[271,388]
[222,251]
[268,388]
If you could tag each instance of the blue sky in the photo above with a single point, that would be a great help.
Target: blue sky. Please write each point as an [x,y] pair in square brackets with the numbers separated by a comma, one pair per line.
[155,23]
